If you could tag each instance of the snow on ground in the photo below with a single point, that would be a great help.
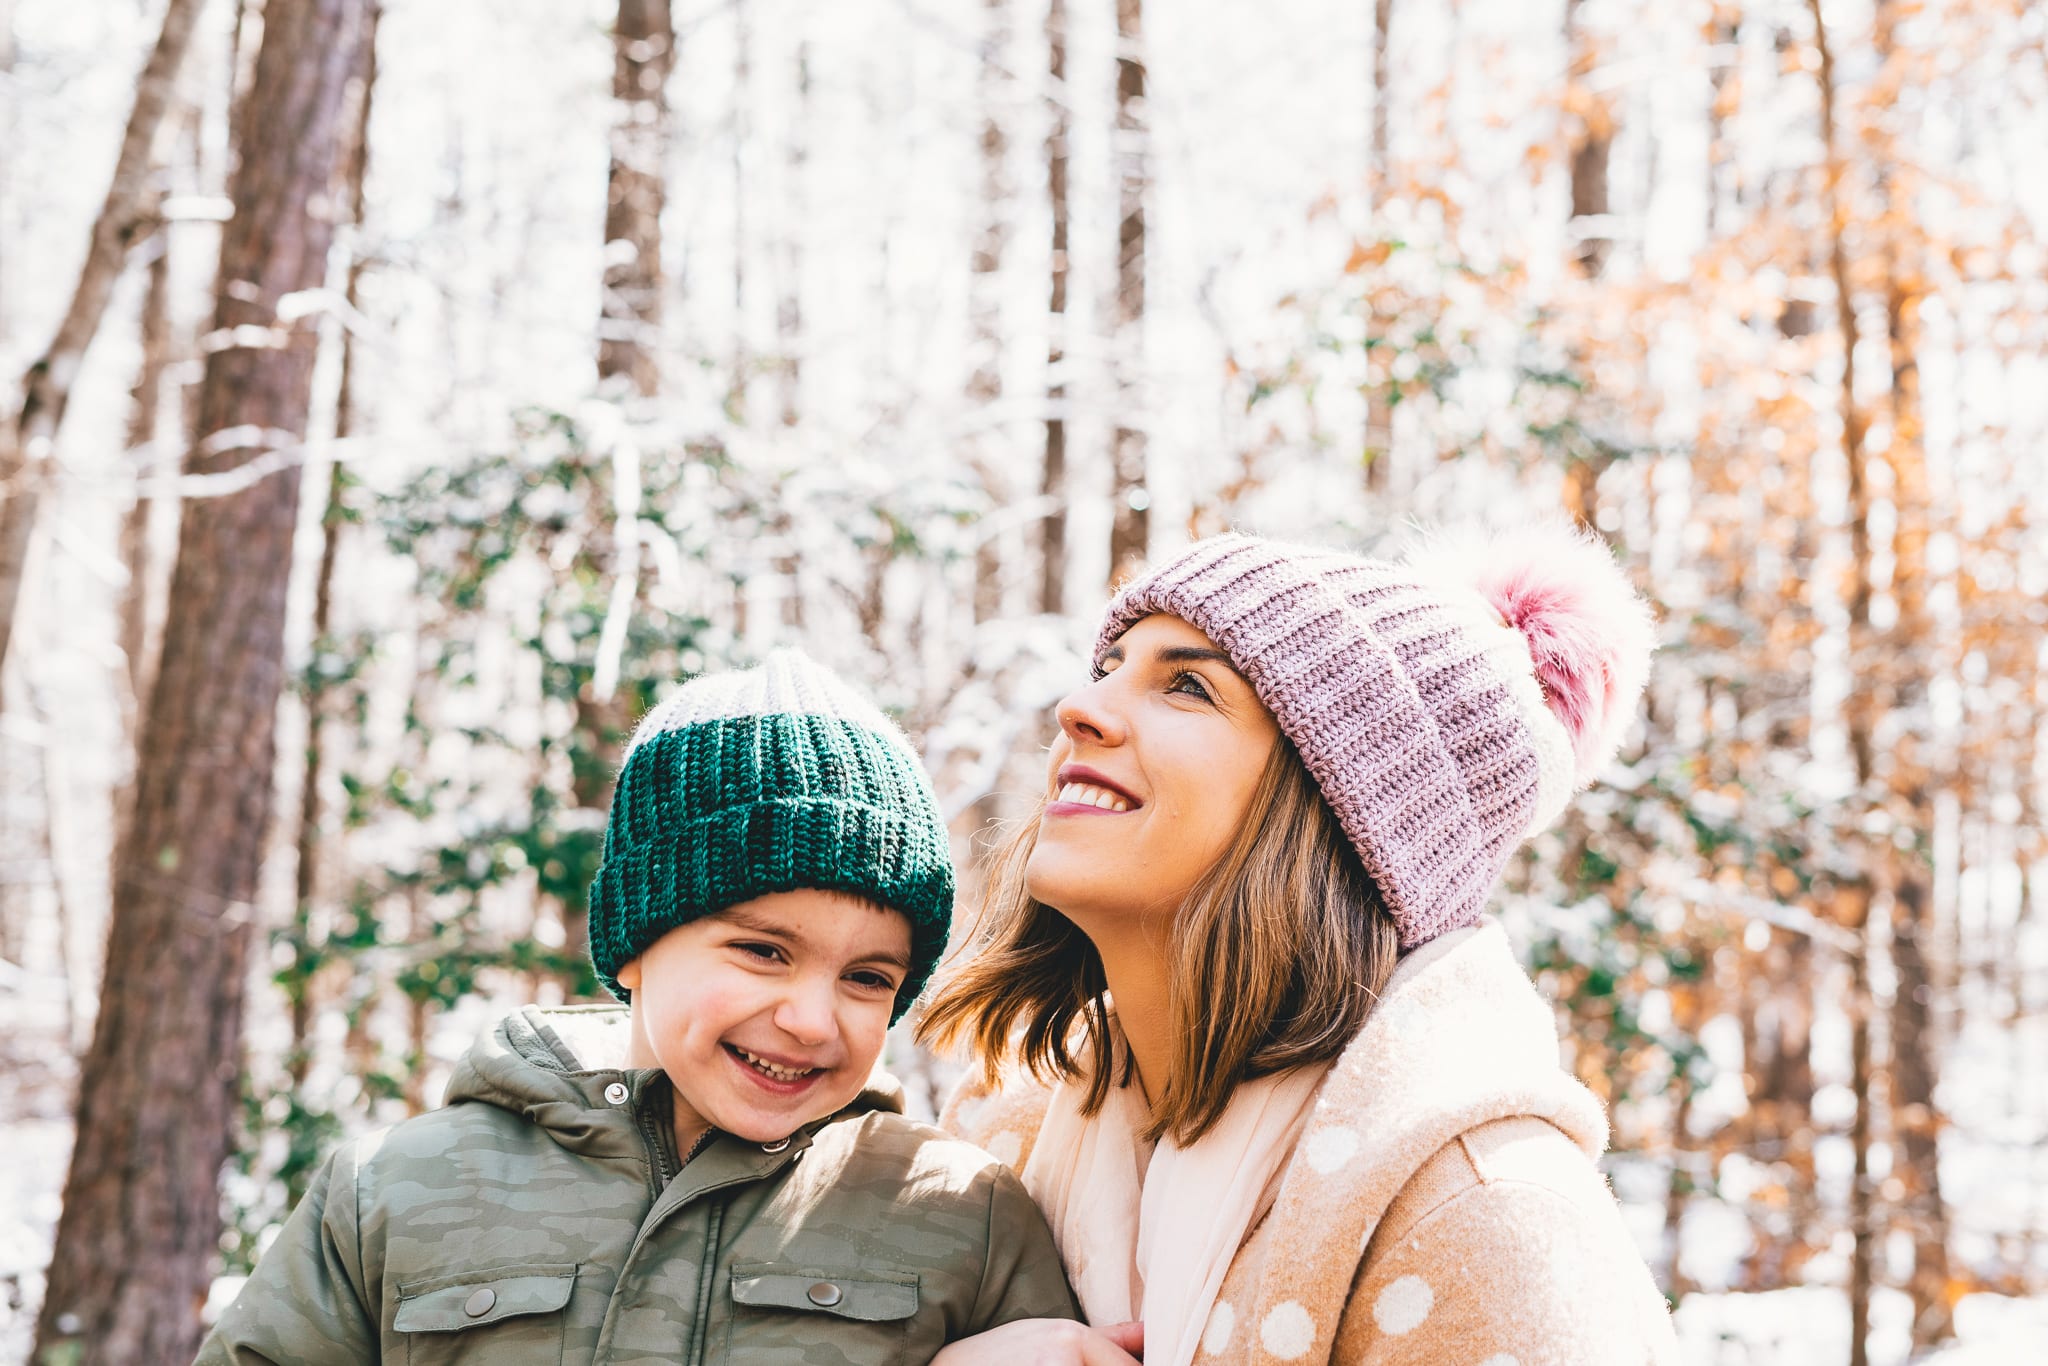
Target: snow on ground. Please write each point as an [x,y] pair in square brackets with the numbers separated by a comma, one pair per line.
[1809,1326]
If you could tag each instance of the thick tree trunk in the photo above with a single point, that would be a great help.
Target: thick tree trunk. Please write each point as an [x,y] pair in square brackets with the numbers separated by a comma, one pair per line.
[28,443]
[629,330]
[1052,530]
[160,1089]
[1130,529]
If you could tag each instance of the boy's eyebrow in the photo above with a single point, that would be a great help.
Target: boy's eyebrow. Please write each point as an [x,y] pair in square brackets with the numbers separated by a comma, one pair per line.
[747,920]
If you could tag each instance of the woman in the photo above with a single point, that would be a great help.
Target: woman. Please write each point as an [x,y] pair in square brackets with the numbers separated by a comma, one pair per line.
[1280,1088]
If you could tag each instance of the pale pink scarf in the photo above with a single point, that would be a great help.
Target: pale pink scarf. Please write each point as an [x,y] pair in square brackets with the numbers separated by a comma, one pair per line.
[1148,1233]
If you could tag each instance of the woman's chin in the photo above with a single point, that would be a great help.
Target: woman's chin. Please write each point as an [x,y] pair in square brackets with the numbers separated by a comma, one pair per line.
[1063,879]
[1095,904]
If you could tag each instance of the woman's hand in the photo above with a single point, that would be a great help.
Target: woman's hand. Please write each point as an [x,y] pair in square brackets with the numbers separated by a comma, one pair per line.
[1048,1342]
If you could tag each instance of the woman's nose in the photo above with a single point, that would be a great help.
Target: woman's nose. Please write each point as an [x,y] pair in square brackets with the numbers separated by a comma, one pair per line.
[1090,713]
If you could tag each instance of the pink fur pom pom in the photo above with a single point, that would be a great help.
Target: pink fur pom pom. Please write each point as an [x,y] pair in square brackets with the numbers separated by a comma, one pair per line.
[1589,634]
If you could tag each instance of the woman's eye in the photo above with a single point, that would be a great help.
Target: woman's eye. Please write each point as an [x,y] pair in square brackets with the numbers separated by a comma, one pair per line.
[1189,683]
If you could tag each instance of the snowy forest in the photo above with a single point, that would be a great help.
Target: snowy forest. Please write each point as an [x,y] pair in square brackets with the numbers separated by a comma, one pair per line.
[403,395]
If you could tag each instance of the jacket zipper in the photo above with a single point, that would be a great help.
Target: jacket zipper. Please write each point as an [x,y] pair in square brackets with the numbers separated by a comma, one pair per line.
[657,1151]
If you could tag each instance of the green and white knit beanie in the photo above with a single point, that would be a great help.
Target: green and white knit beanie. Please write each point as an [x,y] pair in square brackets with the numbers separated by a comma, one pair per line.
[770,779]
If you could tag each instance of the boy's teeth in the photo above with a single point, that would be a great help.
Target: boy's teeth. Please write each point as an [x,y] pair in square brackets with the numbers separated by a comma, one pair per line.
[775,1070]
[1089,795]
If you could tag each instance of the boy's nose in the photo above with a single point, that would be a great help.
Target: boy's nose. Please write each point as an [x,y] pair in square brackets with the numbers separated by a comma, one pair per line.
[805,1014]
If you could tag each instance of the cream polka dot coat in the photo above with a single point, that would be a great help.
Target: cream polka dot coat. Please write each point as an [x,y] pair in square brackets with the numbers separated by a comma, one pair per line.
[1443,1205]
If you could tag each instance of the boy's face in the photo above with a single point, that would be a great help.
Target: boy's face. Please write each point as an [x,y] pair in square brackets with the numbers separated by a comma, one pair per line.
[770,1014]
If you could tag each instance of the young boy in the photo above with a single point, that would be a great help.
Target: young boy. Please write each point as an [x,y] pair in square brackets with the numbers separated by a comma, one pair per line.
[712,1173]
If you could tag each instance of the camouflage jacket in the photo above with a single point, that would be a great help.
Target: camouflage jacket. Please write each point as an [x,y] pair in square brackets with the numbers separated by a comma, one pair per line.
[542,1216]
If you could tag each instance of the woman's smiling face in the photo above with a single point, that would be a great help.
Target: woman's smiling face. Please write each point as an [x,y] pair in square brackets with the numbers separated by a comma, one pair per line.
[1155,764]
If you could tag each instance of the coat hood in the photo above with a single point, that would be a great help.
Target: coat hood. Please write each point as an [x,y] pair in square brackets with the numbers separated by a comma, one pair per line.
[551,1066]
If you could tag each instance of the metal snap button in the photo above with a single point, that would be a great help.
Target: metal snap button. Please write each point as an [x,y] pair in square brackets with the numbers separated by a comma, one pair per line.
[616,1093]
[479,1303]
[824,1294]
[777,1146]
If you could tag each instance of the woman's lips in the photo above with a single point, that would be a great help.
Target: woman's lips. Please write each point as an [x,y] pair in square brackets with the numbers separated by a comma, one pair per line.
[1083,791]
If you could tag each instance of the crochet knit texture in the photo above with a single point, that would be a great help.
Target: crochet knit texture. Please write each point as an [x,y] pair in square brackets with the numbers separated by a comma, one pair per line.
[773,779]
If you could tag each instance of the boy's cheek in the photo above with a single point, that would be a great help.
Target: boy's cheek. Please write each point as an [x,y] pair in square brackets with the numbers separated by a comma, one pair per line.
[865,1041]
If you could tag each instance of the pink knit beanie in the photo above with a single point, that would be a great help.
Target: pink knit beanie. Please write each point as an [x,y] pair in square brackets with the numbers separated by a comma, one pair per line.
[1447,703]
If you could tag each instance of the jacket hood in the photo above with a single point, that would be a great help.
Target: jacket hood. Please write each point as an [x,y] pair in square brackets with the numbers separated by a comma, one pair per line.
[551,1066]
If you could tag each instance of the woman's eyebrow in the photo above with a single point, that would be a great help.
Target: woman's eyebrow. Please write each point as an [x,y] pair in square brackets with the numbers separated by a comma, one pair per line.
[1197,654]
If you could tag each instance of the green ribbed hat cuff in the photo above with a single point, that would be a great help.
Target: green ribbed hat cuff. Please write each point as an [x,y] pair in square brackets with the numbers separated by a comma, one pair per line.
[723,811]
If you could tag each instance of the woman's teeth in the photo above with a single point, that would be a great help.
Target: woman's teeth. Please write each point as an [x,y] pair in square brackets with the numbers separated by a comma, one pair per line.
[773,1069]
[1088,794]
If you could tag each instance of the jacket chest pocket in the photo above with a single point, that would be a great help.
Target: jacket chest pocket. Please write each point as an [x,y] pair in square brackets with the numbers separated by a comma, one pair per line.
[508,1316]
[807,1315]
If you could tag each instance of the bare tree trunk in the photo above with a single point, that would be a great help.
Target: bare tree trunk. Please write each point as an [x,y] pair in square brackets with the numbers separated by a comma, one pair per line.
[1916,1120]
[142,428]
[1781,1103]
[1723,31]
[985,314]
[306,867]
[1860,710]
[161,1085]
[742,93]
[1589,121]
[6,140]
[789,307]
[1052,535]
[28,443]
[1130,500]
[1862,1221]
[418,1014]
[629,330]
[1677,1193]
[1378,169]
[1379,409]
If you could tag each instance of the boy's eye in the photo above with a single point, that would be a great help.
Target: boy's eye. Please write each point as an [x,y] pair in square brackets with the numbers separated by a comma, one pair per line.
[873,981]
[1189,684]
[767,953]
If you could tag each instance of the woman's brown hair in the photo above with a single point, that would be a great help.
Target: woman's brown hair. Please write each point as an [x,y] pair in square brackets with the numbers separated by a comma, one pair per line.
[1274,962]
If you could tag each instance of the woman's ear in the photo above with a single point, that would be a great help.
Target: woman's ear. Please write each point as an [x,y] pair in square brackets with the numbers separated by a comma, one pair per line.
[629,974]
